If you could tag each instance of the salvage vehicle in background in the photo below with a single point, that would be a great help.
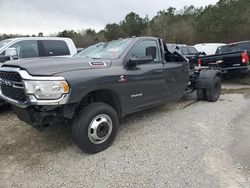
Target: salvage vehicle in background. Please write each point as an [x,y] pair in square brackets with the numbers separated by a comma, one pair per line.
[230,59]
[191,54]
[173,47]
[208,48]
[95,92]
[188,52]
[34,47]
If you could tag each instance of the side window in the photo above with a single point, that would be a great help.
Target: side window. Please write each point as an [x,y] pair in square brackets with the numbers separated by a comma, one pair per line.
[184,51]
[244,46]
[26,49]
[55,48]
[146,48]
[192,51]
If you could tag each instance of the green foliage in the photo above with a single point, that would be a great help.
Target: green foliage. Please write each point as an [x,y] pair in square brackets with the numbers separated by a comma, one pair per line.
[83,38]
[133,25]
[113,31]
[226,21]
[8,36]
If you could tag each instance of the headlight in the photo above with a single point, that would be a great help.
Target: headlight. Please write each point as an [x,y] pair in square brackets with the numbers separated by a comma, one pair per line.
[46,89]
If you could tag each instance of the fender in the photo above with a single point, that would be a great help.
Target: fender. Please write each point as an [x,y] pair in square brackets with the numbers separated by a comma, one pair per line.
[74,101]
[206,78]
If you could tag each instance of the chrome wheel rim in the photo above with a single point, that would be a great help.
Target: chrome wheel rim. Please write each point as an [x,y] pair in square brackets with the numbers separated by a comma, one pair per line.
[100,129]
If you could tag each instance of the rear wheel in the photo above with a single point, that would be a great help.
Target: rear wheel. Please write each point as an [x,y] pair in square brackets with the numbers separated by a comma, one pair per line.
[95,127]
[201,94]
[213,93]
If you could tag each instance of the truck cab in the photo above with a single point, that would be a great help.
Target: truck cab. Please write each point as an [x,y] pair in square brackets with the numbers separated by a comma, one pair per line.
[35,47]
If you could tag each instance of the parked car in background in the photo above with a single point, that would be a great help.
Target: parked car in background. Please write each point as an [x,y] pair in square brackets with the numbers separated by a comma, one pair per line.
[33,47]
[230,59]
[191,54]
[208,48]
[234,47]
[173,47]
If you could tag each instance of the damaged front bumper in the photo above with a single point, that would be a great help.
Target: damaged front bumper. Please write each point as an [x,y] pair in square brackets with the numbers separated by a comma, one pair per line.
[38,119]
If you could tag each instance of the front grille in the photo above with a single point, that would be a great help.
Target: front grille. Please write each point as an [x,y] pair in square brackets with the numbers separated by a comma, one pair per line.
[14,93]
[11,86]
[10,76]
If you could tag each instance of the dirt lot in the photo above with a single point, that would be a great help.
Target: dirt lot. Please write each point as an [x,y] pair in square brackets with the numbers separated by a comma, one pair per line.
[186,144]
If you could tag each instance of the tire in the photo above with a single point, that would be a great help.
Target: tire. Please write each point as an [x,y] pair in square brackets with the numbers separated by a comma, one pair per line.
[95,127]
[201,94]
[213,93]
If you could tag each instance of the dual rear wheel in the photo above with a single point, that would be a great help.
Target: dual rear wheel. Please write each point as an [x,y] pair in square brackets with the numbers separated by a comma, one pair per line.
[211,94]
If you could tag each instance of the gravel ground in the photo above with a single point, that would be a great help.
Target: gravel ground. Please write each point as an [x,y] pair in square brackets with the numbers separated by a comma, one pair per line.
[186,144]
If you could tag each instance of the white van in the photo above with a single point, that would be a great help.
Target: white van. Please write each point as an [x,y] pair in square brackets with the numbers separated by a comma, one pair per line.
[32,47]
[208,48]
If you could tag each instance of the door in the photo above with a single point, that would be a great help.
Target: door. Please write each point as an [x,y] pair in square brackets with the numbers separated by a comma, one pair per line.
[176,74]
[144,82]
[26,49]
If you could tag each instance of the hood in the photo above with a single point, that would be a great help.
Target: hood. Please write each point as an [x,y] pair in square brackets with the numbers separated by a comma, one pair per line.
[51,66]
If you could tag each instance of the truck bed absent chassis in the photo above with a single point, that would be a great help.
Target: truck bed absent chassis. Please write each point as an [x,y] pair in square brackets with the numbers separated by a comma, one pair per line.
[94,94]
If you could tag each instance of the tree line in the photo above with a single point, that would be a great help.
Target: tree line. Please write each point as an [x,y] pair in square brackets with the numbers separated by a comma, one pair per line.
[226,21]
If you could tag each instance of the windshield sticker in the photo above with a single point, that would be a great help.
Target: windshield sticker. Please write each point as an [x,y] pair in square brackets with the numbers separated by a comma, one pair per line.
[113,50]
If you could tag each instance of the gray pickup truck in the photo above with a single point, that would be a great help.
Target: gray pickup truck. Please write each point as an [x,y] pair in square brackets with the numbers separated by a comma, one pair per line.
[95,92]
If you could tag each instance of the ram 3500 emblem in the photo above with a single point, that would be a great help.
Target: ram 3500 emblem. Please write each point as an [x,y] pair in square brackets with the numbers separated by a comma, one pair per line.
[136,95]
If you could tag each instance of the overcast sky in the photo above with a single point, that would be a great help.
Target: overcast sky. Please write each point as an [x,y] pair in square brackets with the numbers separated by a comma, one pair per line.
[51,16]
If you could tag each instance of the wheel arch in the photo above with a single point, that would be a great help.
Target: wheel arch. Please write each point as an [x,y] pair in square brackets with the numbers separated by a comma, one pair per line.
[107,96]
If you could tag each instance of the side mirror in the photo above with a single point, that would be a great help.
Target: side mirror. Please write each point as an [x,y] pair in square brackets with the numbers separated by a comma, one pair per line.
[133,61]
[12,53]
[4,58]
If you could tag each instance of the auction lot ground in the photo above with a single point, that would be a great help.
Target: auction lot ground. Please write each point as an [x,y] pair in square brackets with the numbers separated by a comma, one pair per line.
[185,144]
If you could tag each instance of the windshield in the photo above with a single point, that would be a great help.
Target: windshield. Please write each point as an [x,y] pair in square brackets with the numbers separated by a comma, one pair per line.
[90,50]
[109,50]
[233,48]
[4,42]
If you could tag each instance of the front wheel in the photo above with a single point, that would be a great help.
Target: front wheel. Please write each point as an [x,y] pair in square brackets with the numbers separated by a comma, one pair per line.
[95,127]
